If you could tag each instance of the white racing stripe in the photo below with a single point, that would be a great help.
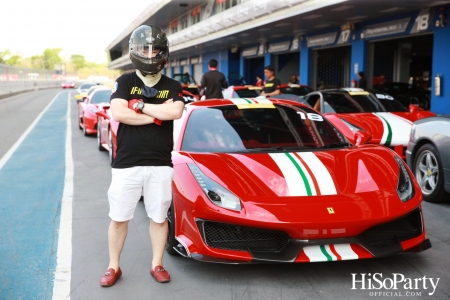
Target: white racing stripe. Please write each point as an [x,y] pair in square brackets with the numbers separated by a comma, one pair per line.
[291,174]
[299,179]
[320,172]
[63,272]
[400,129]
[324,253]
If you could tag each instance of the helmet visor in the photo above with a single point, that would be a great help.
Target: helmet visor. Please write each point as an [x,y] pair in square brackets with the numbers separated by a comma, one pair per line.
[145,50]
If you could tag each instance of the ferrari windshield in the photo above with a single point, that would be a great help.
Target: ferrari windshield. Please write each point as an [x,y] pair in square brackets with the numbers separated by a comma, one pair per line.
[275,128]
[358,102]
[101,96]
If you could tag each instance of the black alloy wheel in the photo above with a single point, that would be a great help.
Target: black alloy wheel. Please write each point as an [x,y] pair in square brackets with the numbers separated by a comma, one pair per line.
[110,146]
[171,241]
[99,137]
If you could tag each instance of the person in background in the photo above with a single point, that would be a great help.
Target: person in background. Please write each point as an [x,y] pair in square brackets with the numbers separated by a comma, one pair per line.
[271,86]
[362,83]
[145,103]
[213,82]
[259,81]
[294,79]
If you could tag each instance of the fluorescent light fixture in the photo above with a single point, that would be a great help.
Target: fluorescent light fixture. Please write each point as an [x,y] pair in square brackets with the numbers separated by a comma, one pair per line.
[392,9]
[342,8]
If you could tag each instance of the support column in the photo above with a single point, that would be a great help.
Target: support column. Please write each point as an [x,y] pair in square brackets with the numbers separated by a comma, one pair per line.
[305,64]
[359,61]
[441,65]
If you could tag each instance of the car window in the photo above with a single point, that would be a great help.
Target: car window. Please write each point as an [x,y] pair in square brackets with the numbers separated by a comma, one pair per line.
[101,96]
[299,91]
[345,103]
[246,93]
[230,129]
[389,103]
[86,85]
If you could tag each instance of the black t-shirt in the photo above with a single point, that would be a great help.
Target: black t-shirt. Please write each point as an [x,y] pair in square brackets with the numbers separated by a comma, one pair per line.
[271,85]
[213,81]
[150,144]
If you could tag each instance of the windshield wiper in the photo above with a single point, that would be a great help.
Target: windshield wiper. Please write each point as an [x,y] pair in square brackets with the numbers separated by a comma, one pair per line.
[335,145]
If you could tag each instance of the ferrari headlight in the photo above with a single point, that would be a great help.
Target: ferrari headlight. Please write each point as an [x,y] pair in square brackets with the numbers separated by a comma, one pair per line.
[216,193]
[405,188]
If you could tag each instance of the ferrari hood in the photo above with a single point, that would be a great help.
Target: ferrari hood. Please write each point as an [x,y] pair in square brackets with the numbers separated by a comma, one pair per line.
[387,129]
[297,174]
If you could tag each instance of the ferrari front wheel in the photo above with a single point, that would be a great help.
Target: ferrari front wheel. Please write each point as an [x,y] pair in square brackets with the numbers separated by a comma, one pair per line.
[99,137]
[430,174]
[171,241]
[111,147]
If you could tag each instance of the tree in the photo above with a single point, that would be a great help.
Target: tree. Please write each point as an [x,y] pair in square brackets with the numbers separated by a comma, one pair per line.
[4,55]
[78,61]
[51,57]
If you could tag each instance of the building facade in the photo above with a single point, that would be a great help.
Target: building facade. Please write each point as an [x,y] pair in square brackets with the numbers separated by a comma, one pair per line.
[325,42]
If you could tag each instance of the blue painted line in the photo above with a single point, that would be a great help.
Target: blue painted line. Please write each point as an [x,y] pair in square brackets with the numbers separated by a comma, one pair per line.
[31,189]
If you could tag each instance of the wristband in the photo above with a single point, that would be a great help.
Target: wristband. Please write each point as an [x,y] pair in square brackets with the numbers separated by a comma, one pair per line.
[131,104]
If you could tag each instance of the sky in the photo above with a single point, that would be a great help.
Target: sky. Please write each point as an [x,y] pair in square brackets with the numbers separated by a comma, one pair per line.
[85,27]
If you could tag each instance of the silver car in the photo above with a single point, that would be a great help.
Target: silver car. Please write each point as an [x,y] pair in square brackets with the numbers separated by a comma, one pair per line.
[428,156]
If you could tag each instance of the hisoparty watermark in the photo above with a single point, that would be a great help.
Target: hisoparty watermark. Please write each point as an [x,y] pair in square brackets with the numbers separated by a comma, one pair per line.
[376,282]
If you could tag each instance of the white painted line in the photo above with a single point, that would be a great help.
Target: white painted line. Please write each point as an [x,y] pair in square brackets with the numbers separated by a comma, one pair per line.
[63,272]
[14,147]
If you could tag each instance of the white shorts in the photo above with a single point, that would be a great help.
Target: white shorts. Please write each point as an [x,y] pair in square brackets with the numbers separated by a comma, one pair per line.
[127,186]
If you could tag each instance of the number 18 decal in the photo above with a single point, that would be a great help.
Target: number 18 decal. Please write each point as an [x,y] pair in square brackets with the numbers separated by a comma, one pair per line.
[310,116]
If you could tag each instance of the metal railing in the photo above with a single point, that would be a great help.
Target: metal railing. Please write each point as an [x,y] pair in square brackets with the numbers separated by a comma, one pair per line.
[14,78]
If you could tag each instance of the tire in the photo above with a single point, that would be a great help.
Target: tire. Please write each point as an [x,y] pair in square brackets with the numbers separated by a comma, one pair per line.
[111,147]
[84,129]
[79,123]
[171,241]
[99,138]
[430,174]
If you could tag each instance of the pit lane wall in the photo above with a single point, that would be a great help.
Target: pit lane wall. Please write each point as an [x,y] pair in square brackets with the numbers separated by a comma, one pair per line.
[15,80]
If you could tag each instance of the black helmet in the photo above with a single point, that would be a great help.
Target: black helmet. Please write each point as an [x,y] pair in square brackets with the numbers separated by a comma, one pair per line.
[143,41]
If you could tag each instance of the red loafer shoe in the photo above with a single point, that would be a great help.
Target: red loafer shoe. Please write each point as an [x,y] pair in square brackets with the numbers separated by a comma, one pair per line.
[110,277]
[160,274]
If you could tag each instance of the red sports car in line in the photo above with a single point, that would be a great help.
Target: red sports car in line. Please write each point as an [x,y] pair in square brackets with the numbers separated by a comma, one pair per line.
[87,107]
[68,85]
[267,180]
[353,109]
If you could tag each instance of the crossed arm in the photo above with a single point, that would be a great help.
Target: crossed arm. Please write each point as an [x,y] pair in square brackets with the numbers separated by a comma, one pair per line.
[169,111]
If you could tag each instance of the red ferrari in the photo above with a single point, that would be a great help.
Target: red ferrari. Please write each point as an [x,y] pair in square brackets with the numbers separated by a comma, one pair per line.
[68,85]
[272,180]
[87,107]
[353,109]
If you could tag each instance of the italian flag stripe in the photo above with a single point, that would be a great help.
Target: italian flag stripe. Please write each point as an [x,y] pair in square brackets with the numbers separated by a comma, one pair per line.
[308,170]
[305,174]
[320,172]
[387,132]
[324,251]
[302,174]
[290,173]
[329,252]
[333,250]
[248,101]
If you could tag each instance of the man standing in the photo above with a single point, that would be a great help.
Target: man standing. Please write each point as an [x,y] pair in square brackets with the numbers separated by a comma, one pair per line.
[271,86]
[362,83]
[145,103]
[213,82]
